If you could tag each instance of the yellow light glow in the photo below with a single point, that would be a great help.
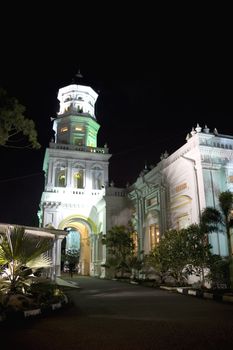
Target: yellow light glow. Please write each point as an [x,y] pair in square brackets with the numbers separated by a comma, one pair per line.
[64,129]
[78,129]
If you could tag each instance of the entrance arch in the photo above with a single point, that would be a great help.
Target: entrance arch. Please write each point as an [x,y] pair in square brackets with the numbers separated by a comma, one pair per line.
[84,229]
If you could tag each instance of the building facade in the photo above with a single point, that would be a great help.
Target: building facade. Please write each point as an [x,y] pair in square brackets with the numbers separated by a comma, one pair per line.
[173,194]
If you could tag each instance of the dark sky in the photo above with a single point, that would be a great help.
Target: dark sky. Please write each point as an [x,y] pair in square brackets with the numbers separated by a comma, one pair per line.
[155,80]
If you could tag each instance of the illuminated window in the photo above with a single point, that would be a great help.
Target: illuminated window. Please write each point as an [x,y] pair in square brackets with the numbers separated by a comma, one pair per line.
[78,179]
[79,141]
[97,180]
[64,129]
[154,235]
[61,179]
[135,241]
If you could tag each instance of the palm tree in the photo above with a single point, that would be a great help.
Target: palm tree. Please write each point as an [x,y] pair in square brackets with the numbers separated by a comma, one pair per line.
[21,256]
[226,205]
[211,218]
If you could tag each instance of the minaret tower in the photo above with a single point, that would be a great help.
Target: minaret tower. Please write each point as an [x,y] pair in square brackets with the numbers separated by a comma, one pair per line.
[76,122]
[76,175]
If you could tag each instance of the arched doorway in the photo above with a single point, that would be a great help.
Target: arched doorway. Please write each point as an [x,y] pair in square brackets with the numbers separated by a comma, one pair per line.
[77,241]
[70,251]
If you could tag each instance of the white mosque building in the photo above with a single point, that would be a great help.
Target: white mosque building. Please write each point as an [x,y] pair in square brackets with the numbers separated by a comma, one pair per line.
[77,196]
[173,194]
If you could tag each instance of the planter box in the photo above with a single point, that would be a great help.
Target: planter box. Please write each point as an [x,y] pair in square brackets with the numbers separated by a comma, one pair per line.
[168,288]
[34,312]
[56,306]
[192,292]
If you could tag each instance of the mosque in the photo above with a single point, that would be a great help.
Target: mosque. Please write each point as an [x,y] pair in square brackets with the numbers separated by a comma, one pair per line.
[79,200]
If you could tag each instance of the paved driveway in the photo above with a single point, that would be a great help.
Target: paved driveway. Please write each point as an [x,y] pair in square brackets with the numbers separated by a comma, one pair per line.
[115,315]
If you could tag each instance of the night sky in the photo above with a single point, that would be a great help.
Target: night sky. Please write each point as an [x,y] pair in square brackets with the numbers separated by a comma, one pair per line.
[154,83]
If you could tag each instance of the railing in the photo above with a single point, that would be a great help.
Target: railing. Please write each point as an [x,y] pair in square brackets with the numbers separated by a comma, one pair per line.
[115,192]
[67,147]
[54,192]
[72,191]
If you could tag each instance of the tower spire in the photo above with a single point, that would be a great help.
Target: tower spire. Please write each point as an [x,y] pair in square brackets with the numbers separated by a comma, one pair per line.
[77,76]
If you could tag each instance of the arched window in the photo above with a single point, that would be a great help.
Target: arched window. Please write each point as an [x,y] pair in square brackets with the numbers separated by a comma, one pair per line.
[97,181]
[78,179]
[61,178]
[97,178]
[135,242]
[154,235]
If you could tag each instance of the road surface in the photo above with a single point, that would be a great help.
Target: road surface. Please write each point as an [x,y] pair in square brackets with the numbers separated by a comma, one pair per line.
[115,315]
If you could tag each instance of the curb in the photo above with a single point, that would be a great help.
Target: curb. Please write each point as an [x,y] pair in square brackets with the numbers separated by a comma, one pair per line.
[28,314]
[205,295]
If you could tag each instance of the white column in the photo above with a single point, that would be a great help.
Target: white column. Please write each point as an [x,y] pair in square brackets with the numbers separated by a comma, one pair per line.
[69,174]
[50,180]
[58,256]
[88,176]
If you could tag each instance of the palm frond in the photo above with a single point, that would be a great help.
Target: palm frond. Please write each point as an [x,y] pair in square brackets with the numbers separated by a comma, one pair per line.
[3,259]
[210,219]
[42,261]
[21,255]
[19,245]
